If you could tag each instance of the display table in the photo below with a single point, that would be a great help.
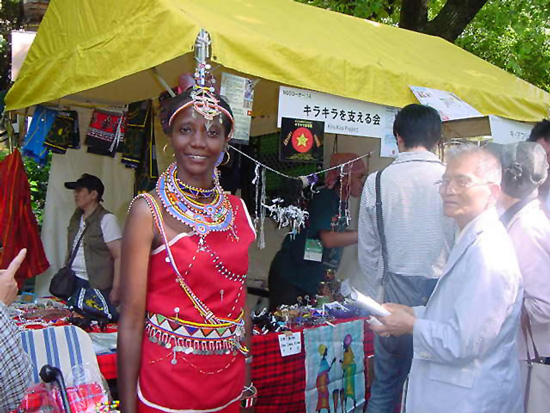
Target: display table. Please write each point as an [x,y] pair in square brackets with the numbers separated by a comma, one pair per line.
[281,381]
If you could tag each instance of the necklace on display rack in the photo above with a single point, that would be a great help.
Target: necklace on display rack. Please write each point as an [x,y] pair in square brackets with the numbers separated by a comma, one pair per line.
[180,201]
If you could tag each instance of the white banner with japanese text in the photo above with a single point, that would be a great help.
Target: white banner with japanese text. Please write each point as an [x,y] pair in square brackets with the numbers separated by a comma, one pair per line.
[509,131]
[341,115]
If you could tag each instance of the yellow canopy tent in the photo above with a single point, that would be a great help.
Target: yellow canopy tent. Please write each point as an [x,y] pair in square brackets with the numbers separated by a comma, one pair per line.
[100,51]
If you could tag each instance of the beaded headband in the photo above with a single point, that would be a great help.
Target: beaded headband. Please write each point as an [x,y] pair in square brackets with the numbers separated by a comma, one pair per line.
[203,96]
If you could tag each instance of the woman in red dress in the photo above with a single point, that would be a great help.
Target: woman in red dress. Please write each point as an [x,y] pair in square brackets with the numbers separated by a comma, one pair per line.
[182,339]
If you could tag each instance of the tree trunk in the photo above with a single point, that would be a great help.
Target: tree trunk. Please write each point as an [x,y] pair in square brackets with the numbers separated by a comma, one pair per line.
[414,15]
[453,18]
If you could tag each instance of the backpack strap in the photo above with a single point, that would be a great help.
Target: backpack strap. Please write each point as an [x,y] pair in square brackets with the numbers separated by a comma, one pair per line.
[380,224]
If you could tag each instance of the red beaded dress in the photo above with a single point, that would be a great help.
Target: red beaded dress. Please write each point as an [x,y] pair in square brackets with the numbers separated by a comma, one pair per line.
[189,364]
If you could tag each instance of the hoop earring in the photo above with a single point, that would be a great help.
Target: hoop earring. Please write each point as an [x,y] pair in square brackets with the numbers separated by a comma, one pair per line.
[164,150]
[228,159]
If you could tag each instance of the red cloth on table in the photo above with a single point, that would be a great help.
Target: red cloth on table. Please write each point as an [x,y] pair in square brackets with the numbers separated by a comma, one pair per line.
[196,382]
[281,381]
[107,365]
[18,227]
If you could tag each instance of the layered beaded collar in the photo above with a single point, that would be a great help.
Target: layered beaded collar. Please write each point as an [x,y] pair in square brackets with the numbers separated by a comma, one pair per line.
[182,205]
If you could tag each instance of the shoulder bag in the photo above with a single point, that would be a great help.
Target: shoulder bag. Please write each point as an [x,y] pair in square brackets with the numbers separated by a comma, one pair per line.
[63,282]
[537,383]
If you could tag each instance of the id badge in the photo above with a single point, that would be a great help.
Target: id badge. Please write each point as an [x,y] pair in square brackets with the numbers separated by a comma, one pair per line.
[313,250]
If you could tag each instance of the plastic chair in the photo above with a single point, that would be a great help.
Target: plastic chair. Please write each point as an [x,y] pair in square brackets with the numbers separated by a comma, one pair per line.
[63,347]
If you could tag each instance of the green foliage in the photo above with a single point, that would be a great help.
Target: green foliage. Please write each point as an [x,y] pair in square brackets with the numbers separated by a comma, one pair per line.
[379,10]
[38,181]
[514,35]
[511,34]
[10,19]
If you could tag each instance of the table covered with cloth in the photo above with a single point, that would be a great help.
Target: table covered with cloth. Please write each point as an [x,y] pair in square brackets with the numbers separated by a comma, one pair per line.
[291,384]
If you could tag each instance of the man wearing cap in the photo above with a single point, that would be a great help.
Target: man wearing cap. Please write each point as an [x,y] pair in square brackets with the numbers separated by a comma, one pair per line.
[541,135]
[97,260]
[524,170]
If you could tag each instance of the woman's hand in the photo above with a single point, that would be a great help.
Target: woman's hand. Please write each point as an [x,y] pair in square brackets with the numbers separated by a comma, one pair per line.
[8,285]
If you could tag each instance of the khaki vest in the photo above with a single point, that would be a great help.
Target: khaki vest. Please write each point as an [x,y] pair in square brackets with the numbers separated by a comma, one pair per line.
[97,256]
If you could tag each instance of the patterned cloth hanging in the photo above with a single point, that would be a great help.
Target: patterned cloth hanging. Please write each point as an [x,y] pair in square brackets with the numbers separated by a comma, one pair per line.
[135,137]
[106,132]
[64,132]
[42,121]
[18,227]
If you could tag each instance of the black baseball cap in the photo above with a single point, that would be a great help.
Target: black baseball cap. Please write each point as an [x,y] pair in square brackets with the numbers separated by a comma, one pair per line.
[90,182]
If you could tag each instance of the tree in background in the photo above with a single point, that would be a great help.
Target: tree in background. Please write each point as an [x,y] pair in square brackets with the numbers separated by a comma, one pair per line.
[511,34]
[11,18]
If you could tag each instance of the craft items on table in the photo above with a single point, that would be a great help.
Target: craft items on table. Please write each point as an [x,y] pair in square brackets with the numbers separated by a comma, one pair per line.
[51,311]
[64,133]
[42,121]
[106,132]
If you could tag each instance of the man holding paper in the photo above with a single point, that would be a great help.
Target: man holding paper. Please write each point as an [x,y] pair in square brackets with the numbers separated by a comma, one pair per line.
[464,339]
[404,240]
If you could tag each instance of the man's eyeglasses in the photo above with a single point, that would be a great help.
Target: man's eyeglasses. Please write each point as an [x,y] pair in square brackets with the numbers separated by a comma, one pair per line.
[459,184]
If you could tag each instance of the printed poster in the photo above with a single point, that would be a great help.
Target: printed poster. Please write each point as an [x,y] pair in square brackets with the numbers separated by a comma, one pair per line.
[301,140]
[335,368]
[239,92]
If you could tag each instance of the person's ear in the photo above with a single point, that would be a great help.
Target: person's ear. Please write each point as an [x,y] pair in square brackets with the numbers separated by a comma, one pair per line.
[495,192]
[95,194]
[400,142]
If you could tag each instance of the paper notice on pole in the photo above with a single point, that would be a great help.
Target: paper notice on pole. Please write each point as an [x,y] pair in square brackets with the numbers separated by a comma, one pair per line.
[290,344]
[239,92]
[388,144]
[368,303]
[448,105]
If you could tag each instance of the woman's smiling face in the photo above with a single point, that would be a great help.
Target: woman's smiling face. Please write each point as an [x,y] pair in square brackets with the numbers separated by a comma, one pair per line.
[197,145]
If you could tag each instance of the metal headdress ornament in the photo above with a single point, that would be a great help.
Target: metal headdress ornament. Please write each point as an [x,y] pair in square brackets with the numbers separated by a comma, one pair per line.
[203,96]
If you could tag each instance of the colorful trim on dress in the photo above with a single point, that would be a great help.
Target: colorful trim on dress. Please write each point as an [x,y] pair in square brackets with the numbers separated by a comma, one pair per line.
[193,338]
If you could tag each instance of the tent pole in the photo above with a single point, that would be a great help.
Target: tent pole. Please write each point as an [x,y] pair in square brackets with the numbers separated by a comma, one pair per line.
[163,82]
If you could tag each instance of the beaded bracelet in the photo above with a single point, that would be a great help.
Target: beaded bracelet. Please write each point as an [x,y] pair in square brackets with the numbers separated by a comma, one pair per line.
[249,401]
[108,407]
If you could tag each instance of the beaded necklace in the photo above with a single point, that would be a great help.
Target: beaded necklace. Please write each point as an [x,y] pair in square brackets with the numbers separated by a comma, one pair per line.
[182,205]
[194,192]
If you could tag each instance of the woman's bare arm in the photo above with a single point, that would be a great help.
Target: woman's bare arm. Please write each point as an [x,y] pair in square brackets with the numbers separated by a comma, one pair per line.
[136,249]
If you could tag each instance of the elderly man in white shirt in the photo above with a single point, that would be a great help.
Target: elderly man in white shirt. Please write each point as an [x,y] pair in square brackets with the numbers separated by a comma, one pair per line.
[464,340]
[418,240]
